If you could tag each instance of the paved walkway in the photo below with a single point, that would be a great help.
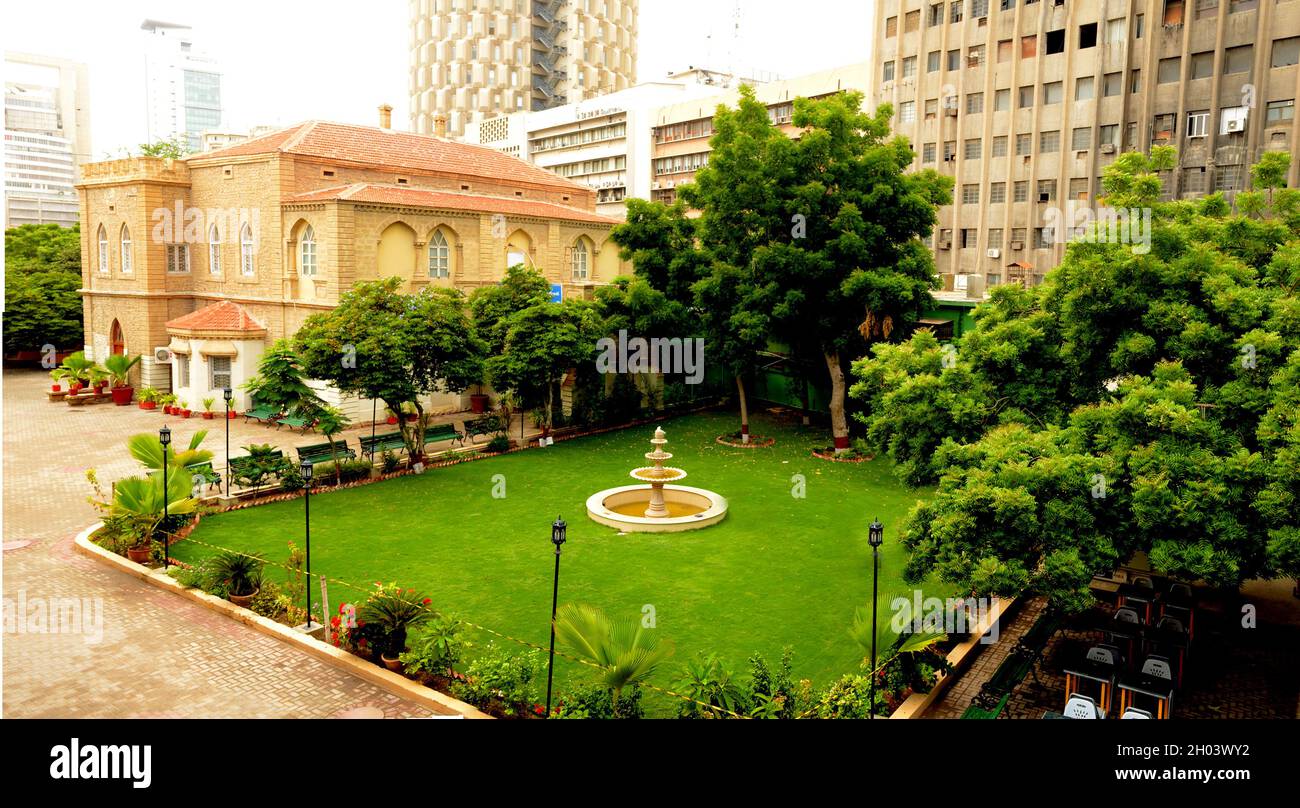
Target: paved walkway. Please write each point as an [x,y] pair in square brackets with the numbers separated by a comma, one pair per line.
[957,699]
[159,655]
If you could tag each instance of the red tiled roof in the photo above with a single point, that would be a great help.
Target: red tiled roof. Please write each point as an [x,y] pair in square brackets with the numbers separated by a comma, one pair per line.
[224,316]
[371,146]
[450,200]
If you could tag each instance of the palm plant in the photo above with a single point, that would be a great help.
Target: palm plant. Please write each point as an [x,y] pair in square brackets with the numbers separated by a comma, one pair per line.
[389,612]
[146,448]
[626,652]
[118,367]
[232,573]
[78,368]
[139,500]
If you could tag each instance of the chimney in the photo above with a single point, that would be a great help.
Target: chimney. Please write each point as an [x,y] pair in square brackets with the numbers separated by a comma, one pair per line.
[440,125]
[385,116]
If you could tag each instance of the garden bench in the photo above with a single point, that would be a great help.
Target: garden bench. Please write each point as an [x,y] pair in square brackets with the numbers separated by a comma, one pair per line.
[487,427]
[261,413]
[295,422]
[320,453]
[370,446]
[440,432]
[205,471]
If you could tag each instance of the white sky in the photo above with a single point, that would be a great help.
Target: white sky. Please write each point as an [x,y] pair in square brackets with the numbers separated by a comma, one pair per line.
[338,60]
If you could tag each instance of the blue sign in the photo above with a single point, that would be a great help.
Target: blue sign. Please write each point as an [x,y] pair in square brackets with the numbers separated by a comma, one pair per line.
[557,293]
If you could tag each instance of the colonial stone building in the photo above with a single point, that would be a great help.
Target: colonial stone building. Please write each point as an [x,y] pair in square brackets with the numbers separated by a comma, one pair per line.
[276,228]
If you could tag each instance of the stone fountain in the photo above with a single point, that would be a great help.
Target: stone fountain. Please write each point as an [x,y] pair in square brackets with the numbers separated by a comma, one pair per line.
[656,505]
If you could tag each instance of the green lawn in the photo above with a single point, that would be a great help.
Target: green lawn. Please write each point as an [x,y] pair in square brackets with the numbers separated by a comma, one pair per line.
[778,571]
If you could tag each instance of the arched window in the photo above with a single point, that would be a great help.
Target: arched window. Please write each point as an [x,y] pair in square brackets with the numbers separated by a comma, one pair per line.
[439,256]
[307,251]
[246,250]
[581,260]
[103,249]
[126,249]
[214,250]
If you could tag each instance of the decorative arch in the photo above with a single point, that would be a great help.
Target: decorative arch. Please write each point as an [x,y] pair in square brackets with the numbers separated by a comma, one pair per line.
[124,239]
[116,340]
[247,251]
[442,248]
[519,248]
[307,258]
[214,249]
[396,253]
[582,256]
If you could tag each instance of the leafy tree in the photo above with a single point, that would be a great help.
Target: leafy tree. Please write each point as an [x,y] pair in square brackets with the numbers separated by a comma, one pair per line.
[660,242]
[281,383]
[542,344]
[330,421]
[492,306]
[173,148]
[380,343]
[42,288]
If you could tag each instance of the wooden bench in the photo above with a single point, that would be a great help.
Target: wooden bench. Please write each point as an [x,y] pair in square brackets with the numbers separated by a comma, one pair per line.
[435,433]
[486,426]
[382,443]
[321,453]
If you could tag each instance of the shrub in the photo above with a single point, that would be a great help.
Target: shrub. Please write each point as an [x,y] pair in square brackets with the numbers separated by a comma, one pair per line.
[230,573]
[498,677]
[270,602]
[498,445]
[390,462]
[389,612]
[597,702]
[437,648]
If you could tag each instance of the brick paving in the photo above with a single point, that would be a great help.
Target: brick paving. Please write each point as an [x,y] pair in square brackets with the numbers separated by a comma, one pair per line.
[1231,673]
[159,655]
[958,697]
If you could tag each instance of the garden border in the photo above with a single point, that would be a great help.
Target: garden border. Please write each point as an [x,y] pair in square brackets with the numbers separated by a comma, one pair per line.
[439,703]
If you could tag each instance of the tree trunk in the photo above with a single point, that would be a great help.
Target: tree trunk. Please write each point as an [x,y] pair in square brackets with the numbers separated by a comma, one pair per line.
[744,409]
[839,423]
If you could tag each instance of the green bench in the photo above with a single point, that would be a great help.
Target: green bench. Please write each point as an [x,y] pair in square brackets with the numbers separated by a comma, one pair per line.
[322,453]
[295,422]
[204,473]
[261,413]
[440,432]
[487,426]
[391,441]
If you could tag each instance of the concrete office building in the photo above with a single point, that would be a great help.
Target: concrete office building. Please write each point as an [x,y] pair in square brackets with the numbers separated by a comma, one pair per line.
[477,59]
[47,135]
[1025,103]
[182,85]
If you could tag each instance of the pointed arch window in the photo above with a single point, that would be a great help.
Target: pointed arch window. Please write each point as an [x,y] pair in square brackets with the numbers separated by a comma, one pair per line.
[581,260]
[214,250]
[439,256]
[102,238]
[126,249]
[307,251]
[246,265]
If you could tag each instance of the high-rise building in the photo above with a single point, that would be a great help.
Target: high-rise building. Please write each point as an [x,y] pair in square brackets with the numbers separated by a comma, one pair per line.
[183,85]
[476,59]
[47,134]
[1025,103]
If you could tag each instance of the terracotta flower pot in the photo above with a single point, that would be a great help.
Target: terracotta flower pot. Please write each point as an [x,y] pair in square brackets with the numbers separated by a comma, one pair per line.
[232,415]
[148,405]
[139,555]
[243,601]
[394,665]
[207,416]
[185,414]
[56,388]
[478,403]
[392,420]
[122,396]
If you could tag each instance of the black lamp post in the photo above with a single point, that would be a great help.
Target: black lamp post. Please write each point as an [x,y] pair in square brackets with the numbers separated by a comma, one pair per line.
[558,536]
[875,537]
[305,468]
[228,394]
[165,438]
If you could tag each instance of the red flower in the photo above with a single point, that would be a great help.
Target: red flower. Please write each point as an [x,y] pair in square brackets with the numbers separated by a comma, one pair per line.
[539,709]
[427,601]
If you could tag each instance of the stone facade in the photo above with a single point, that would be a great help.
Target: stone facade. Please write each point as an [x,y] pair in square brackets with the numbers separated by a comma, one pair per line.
[284,224]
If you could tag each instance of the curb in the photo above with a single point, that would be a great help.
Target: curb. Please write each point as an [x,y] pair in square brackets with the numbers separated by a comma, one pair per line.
[440,703]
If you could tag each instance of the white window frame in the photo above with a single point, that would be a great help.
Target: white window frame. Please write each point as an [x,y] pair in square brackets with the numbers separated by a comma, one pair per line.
[124,240]
[307,252]
[214,250]
[102,238]
[182,370]
[579,263]
[218,384]
[1198,124]
[247,255]
[439,256]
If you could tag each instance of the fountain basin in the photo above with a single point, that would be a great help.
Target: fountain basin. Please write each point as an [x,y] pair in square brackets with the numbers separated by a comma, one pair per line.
[688,508]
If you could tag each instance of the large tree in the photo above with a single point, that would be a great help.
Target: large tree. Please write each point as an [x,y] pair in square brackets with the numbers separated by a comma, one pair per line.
[42,288]
[399,348]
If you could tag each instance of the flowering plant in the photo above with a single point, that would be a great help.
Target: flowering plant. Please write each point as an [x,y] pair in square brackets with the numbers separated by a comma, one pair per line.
[389,612]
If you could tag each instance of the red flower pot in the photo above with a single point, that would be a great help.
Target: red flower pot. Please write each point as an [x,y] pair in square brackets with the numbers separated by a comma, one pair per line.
[139,555]
[232,415]
[122,396]
[148,405]
[56,388]
[392,419]
[207,416]
[478,403]
[74,388]
[184,414]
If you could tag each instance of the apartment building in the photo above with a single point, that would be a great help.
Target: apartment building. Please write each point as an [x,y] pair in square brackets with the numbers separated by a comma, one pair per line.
[218,255]
[603,143]
[182,85]
[1025,102]
[47,134]
[477,59]
[681,131]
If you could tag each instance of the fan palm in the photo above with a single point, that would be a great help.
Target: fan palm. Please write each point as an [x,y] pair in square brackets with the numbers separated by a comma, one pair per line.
[626,652]
[119,368]
[146,448]
[140,499]
[887,636]
[78,367]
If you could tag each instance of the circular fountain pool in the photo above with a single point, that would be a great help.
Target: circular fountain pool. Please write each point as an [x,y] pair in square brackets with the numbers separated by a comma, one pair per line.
[658,507]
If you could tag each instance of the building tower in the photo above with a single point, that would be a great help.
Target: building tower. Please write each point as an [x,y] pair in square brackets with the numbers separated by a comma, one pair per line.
[474,59]
[183,85]
[1025,103]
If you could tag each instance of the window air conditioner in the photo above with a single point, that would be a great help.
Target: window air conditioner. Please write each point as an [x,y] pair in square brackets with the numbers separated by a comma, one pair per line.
[1017,245]
[1108,148]
[994,253]
[162,355]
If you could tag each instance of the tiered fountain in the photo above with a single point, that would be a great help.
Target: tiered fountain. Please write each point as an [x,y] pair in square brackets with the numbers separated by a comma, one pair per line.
[659,507]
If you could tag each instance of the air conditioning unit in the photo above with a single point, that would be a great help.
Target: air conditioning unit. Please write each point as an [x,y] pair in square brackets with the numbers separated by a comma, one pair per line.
[945,245]
[949,158]
[162,355]
[654,186]
[1017,245]
[950,111]
[994,253]
[1108,148]
[1044,197]
[1236,125]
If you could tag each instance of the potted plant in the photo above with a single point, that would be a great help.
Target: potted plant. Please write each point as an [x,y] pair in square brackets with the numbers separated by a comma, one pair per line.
[478,402]
[392,416]
[169,403]
[207,408]
[388,614]
[149,398]
[58,376]
[408,412]
[118,367]
[78,371]
[232,412]
[183,409]
[98,379]
[236,575]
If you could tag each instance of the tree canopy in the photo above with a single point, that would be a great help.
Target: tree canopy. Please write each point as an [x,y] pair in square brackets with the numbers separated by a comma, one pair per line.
[42,288]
